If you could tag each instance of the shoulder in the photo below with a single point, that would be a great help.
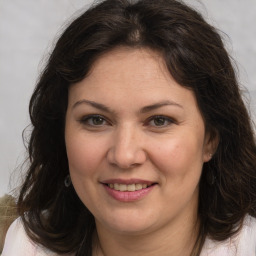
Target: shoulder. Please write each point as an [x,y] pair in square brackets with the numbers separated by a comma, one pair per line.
[242,244]
[17,243]
[247,237]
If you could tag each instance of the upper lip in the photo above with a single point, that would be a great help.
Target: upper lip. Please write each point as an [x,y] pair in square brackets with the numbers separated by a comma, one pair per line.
[128,181]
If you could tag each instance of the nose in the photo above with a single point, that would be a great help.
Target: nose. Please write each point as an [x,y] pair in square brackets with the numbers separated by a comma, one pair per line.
[126,150]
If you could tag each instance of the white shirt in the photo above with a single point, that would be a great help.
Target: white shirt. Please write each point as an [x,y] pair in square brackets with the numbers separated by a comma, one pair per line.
[242,244]
[17,243]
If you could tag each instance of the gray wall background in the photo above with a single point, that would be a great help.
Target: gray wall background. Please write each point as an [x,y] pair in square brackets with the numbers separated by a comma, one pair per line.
[28,28]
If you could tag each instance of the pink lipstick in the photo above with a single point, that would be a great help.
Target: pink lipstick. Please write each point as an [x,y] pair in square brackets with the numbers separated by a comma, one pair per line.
[128,190]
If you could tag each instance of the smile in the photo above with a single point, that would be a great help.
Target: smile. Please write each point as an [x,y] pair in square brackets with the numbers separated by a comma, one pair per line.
[127,187]
[128,190]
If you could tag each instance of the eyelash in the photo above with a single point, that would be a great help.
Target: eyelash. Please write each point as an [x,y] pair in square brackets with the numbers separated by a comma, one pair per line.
[86,121]
[164,118]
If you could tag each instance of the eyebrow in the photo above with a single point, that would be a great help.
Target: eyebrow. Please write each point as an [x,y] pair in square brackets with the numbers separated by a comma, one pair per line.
[93,104]
[143,110]
[159,105]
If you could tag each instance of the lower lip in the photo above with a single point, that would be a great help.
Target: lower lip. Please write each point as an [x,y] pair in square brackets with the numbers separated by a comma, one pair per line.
[128,196]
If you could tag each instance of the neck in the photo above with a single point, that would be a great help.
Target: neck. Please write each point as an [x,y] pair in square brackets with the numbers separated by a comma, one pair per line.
[174,239]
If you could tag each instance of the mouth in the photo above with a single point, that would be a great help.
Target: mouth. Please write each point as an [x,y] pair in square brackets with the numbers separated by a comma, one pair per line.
[128,187]
[128,190]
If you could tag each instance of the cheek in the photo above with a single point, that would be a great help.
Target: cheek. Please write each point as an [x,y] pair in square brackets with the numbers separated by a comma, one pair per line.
[84,160]
[84,155]
[179,156]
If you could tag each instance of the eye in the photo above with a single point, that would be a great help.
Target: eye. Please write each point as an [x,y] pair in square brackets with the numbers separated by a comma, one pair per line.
[160,121]
[94,120]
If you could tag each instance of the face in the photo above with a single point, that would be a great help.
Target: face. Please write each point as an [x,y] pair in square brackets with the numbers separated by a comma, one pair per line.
[136,143]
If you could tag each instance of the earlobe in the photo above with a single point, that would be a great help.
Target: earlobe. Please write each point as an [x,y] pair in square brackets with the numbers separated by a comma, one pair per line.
[208,157]
[211,145]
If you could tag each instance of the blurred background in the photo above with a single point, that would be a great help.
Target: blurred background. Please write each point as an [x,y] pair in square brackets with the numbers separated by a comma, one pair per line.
[29,29]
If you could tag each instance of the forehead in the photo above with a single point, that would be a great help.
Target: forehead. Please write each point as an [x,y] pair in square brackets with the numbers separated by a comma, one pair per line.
[137,75]
[130,64]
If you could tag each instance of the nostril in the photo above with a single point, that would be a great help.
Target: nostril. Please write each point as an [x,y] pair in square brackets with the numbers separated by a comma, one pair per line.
[126,158]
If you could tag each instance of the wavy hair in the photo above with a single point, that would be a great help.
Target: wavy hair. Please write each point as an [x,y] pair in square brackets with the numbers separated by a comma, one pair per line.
[196,58]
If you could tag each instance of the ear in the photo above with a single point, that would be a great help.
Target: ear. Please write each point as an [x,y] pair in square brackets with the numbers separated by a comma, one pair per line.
[211,143]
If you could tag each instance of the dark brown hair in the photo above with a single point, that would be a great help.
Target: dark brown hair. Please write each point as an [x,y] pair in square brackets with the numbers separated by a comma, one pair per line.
[196,58]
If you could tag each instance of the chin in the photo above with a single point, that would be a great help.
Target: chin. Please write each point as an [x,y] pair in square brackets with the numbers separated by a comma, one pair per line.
[130,224]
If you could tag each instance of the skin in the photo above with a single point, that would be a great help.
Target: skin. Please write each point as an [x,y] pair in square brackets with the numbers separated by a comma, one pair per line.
[128,141]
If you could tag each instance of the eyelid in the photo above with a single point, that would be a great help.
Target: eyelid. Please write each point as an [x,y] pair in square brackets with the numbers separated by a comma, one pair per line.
[85,118]
[169,119]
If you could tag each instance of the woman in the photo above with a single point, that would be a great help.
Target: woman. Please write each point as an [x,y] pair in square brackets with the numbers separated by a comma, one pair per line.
[141,143]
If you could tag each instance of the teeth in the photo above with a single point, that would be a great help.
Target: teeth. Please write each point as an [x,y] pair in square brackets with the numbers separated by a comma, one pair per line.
[129,187]
[138,186]
[122,187]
